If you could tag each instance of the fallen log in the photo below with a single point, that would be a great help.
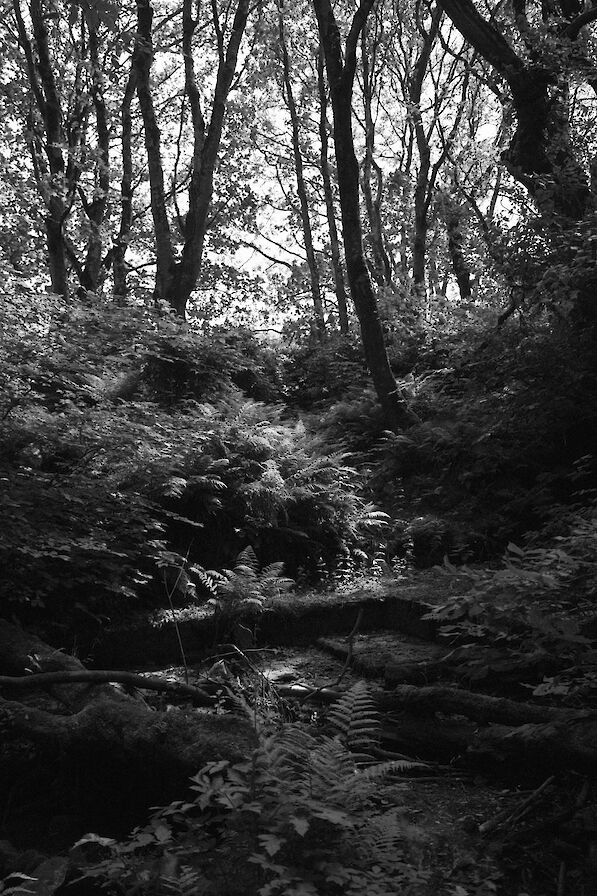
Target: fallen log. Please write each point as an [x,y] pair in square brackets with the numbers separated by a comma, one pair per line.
[565,745]
[480,707]
[510,737]
[477,666]
[94,747]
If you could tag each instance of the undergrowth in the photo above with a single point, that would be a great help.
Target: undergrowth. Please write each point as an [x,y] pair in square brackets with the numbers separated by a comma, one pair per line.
[130,449]
[296,818]
[541,598]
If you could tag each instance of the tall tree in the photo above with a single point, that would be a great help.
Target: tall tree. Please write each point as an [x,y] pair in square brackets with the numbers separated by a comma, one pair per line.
[373,179]
[64,72]
[176,277]
[301,186]
[341,75]
[121,241]
[328,194]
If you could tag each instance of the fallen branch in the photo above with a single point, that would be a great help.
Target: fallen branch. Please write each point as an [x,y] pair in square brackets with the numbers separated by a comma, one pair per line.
[103,676]
[510,815]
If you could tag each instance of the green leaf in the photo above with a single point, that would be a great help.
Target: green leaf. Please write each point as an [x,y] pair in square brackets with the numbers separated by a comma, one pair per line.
[300,824]
[271,844]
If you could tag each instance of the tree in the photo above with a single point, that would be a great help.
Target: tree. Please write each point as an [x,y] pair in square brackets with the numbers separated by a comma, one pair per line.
[300,178]
[64,73]
[341,76]
[176,278]
[328,193]
[381,264]
[541,154]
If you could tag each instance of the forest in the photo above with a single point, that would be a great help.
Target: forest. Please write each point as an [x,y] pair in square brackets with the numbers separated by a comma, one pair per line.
[298,458]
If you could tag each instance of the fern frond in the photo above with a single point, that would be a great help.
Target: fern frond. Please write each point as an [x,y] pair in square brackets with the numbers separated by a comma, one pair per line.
[273,570]
[188,882]
[382,770]
[174,487]
[242,571]
[332,767]
[247,562]
[210,579]
[355,718]
[383,834]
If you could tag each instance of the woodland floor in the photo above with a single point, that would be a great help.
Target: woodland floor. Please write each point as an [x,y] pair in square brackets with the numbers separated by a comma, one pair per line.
[466,833]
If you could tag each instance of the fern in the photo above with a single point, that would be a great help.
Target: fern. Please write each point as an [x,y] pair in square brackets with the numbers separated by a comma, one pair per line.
[381,770]
[355,719]
[247,563]
[188,882]
[286,821]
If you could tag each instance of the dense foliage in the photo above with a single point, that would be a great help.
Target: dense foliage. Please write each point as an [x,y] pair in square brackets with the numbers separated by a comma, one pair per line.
[292,819]
[127,443]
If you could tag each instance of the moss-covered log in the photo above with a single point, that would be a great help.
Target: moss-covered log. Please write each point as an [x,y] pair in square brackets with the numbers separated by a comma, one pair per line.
[90,748]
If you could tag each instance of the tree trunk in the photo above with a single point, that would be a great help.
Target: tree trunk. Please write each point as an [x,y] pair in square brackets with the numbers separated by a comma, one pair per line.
[336,256]
[300,179]
[142,63]
[95,209]
[121,242]
[453,218]
[423,187]
[381,262]
[541,155]
[341,80]
[56,248]
[205,155]
[51,170]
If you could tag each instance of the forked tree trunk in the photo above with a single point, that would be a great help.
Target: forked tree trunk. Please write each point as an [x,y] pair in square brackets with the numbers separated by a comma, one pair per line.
[205,155]
[176,278]
[95,209]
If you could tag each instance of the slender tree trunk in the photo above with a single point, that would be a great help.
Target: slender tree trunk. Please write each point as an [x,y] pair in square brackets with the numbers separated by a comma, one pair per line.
[51,171]
[336,255]
[126,189]
[422,195]
[453,218]
[96,209]
[420,226]
[301,186]
[382,266]
[341,79]
[142,62]
[187,269]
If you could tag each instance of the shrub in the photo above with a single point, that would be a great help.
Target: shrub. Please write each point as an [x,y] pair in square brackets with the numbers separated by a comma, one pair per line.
[107,472]
[298,817]
[322,371]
